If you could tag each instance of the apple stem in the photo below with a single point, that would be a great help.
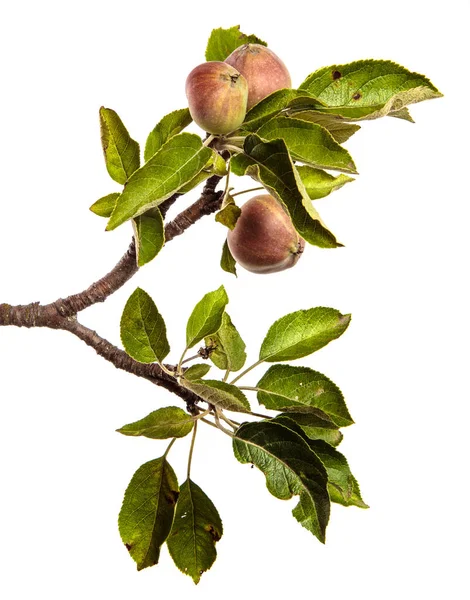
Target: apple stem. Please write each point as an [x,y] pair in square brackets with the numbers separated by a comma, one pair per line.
[255,189]
[233,149]
[208,140]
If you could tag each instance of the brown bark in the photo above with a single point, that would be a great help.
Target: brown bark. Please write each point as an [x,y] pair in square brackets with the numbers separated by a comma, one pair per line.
[61,314]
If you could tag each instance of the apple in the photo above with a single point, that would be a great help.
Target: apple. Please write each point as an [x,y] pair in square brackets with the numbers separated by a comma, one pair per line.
[264,71]
[264,239]
[217,96]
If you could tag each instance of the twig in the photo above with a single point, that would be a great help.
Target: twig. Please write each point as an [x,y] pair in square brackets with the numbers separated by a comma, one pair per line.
[61,314]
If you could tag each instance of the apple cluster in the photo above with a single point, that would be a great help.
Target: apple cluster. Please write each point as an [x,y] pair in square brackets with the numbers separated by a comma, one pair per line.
[220,93]
[219,96]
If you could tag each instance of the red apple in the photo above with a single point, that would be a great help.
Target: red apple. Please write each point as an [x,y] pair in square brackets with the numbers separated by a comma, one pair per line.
[264,239]
[217,96]
[264,71]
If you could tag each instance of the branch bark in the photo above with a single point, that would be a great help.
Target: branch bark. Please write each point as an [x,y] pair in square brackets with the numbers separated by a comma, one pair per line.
[62,314]
[209,202]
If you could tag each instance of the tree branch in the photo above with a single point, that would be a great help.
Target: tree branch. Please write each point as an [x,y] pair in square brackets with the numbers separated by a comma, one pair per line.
[126,268]
[61,314]
[152,372]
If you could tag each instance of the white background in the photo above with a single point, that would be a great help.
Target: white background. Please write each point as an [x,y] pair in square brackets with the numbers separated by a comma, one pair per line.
[403,363]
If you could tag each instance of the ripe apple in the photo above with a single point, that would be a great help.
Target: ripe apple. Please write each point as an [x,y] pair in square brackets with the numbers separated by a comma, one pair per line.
[264,71]
[264,239]
[217,97]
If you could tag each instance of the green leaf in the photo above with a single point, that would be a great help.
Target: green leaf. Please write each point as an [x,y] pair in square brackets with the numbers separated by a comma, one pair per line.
[220,394]
[308,142]
[342,485]
[275,103]
[270,164]
[290,467]
[196,529]
[341,130]
[161,424]
[121,152]
[354,500]
[149,231]
[173,166]
[195,181]
[206,317]
[228,215]
[105,205]
[318,183]
[222,42]
[316,426]
[300,333]
[147,511]
[302,390]
[227,262]
[368,89]
[143,331]
[216,165]
[227,347]
[197,371]
[170,125]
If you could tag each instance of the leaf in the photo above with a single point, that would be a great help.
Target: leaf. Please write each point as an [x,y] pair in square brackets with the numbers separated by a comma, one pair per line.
[219,165]
[149,231]
[368,89]
[147,511]
[300,333]
[196,529]
[222,42]
[227,347]
[121,152]
[174,165]
[161,424]
[402,113]
[220,394]
[290,467]
[342,485]
[318,183]
[197,371]
[228,216]
[143,331]
[105,205]
[341,130]
[308,142]
[227,262]
[216,165]
[275,103]
[206,317]
[302,390]
[316,426]
[195,181]
[270,164]
[355,498]
[170,125]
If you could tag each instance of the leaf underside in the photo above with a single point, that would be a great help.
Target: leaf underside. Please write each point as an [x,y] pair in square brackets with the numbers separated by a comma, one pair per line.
[368,89]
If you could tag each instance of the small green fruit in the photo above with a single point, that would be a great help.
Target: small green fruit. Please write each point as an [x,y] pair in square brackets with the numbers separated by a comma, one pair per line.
[217,97]
[264,239]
